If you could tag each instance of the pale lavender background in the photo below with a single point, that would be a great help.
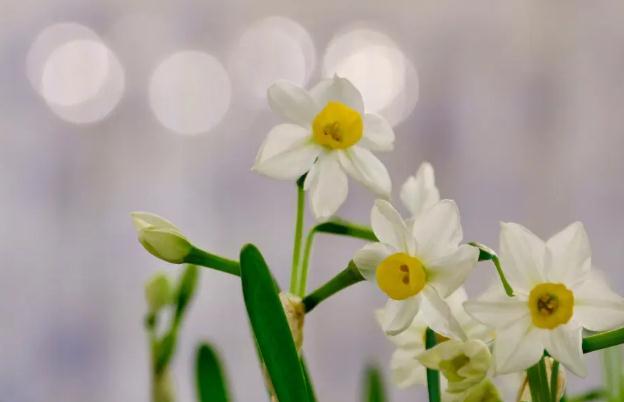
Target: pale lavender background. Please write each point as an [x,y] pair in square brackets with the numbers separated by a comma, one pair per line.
[520,112]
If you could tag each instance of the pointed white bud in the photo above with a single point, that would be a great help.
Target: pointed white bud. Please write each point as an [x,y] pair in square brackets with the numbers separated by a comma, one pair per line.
[161,237]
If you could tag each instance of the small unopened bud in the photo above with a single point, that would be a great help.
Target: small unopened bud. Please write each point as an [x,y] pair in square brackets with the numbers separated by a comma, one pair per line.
[158,292]
[295,314]
[161,237]
[524,394]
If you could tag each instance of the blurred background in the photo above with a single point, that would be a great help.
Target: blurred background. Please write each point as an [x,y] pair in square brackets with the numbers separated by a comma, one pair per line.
[112,106]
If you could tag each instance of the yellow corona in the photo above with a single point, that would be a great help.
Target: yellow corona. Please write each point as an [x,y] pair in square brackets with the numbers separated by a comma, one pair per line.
[401,276]
[337,126]
[551,305]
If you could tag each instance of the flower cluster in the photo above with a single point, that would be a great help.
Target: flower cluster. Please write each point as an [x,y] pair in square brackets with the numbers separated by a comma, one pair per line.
[548,293]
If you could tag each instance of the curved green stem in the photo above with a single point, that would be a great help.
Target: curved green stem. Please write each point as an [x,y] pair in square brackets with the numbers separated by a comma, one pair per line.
[487,254]
[295,272]
[203,258]
[433,376]
[603,340]
[345,278]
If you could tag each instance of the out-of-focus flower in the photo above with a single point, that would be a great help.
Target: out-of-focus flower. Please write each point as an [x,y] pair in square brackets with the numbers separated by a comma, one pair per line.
[416,264]
[485,391]
[328,135]
[158,292]
[556,295]
[161,237]
[463,363]
[405,368]
[419,192]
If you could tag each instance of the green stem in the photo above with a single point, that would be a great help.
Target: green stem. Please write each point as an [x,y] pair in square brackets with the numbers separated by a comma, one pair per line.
[203,258]
[307,251]
[345,278]
[538,382]
[487,254]
[295,271]
[554,379]
[433,376]
[603,340]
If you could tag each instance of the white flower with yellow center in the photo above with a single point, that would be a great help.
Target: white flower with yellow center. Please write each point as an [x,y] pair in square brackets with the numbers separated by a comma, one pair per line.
[405,368]
[418,263]
[327,135]
[556,295]
[419,192]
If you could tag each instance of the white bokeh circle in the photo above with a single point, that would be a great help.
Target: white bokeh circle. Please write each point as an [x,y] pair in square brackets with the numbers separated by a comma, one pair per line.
[190,92]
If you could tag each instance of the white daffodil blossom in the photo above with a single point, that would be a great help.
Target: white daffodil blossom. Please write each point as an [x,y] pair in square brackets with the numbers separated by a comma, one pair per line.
[405,368]
[464,364]
[328,135]
[556,295]
[161,237]
[419,264]
[419,192]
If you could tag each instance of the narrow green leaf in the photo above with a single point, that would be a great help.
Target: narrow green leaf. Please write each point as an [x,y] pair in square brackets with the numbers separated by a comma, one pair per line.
[374,390]
[308,379]
[211,382]
[270,328]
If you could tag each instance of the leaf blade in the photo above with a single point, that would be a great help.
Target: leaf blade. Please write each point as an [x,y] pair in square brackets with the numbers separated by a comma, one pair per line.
[210,379]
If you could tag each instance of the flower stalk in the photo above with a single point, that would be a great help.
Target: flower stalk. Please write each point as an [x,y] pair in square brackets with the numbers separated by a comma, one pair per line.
[297,280]
[345,278]
[433,376]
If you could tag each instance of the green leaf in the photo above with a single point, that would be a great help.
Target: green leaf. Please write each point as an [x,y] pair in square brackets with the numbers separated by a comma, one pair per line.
[211,383]
[374,390]
[270,328]
[308,379]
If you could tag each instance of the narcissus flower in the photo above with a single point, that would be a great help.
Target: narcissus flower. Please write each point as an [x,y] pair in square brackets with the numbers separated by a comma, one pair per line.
[419,192]
[556,295]
[161,237]
[327,135]
[418,263]
[405,368]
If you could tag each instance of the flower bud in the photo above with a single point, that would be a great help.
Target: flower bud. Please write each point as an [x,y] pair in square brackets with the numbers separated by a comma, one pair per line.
[464,364]
[158,292]
[161,237]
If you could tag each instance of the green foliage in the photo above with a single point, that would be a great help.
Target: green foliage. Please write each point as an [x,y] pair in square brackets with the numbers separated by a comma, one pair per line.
[374,389]
[210,379]
[271,329]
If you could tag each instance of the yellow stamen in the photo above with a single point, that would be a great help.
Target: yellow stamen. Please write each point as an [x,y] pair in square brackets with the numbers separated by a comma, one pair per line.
[337,126]
[401,276]
[551,304]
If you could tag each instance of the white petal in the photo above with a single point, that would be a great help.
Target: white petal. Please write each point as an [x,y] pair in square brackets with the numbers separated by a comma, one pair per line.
[522,257]
[399,314]
[337,89]
[419,192]
[328,187]
[517,347]
[438,315]
[364,167]
[378,133]
[292,103]
[448,273]
[568,255]
[287,152]
[405,370]
[368,258]
[564,343]
[388,225]
[438,231]
[497,313]
[596,306]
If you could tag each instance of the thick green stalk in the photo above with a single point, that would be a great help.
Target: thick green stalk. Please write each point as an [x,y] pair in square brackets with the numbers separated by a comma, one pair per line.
[603,340]
[612,373]
[554,379]
[295,272]
[203,258]
[345,278]
[538,382]
[433,376]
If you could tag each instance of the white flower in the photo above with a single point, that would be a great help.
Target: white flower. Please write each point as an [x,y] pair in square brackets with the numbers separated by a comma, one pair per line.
[555,295]
[405,368]
[161,237]
[327,135]
[419,192]
[463,363]
[416,264]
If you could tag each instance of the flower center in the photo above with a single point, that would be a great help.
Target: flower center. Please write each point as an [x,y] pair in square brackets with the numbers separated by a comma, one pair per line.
[337,126]
[551,304]
[401,276]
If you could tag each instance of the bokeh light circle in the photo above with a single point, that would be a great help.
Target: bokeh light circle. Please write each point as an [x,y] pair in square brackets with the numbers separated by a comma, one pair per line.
[76,74]
[378,67]
[190,92]
[270,49]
